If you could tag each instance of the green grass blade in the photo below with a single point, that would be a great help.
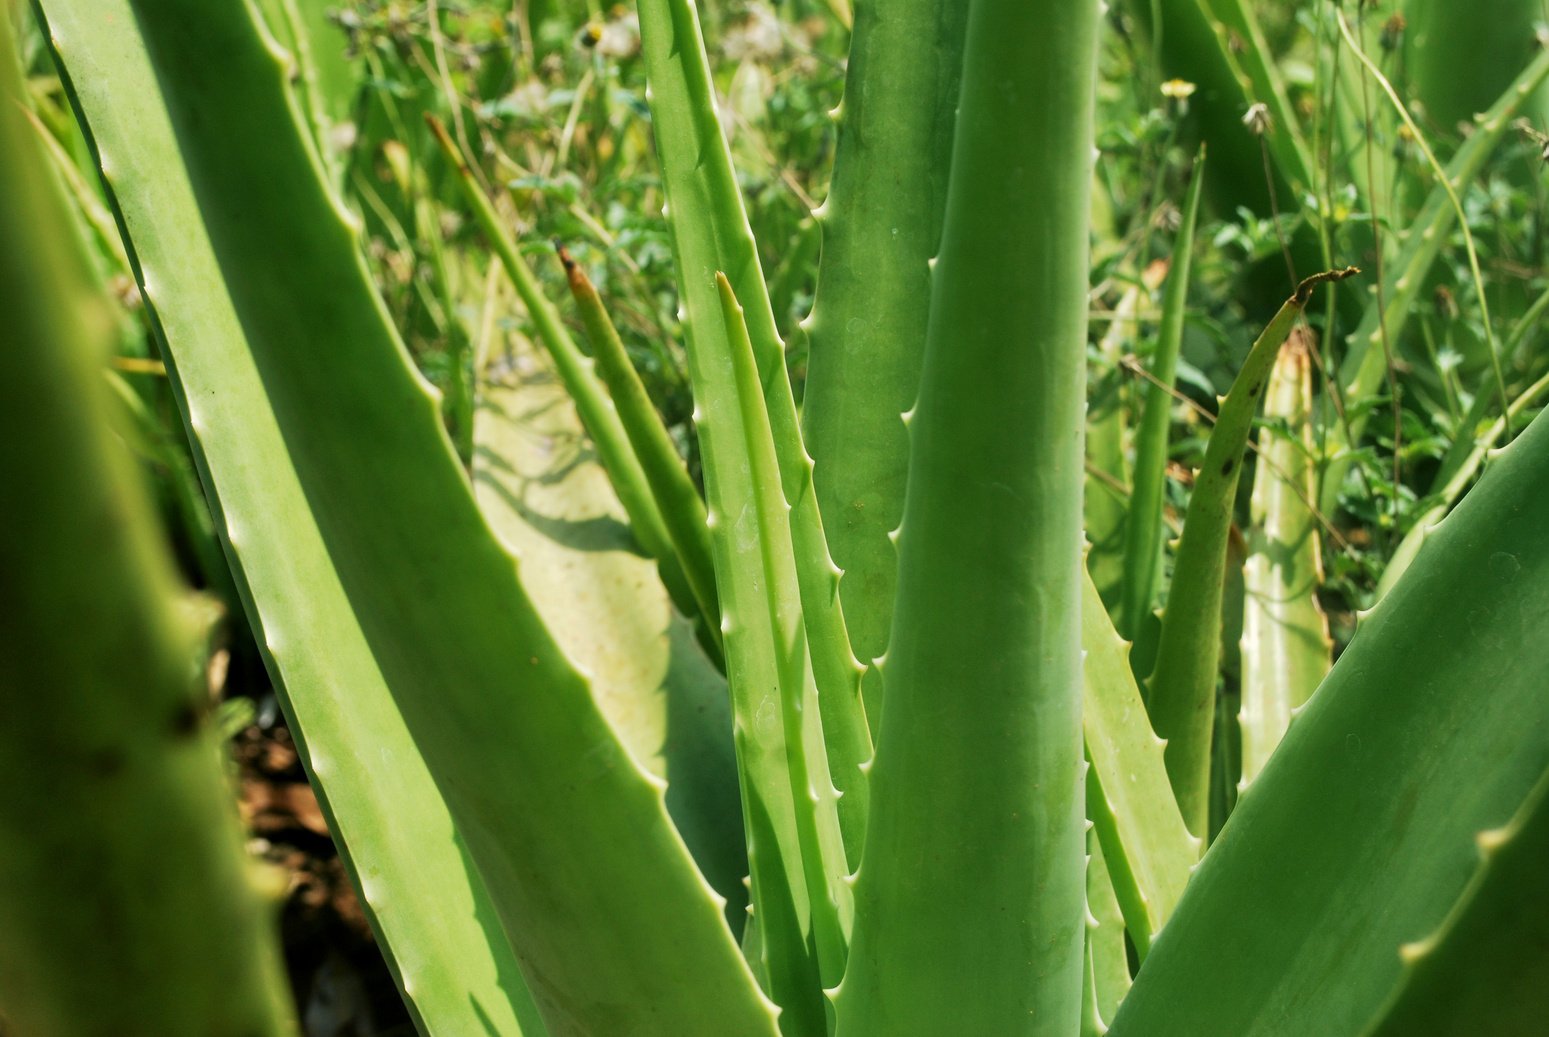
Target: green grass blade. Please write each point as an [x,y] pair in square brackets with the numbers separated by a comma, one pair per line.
[552,504]
[710,234]
[1183,685]
[598,414]
[1108,486]
[1359,834]
[125,892]
[677,498]
[980,742]
[439,935]
[533,776]
[881,227]
[1143,529]
[1149,849]
[1286,651]
[1485,969]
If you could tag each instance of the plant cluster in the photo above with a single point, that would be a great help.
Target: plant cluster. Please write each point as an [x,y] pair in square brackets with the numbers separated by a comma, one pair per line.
[1086,574]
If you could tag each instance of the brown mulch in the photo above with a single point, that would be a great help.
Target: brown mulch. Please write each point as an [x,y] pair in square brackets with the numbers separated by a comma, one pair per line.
[341,984]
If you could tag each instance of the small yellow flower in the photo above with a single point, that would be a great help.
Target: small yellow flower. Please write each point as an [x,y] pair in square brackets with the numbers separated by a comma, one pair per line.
[1178,89]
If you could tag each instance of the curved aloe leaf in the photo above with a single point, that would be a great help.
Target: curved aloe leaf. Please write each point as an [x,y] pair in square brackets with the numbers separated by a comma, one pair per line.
[1143,527]
[439,937]
[533,777]
[710,234]
[1183,686]
[124,889]
[1458,476]
[1107,958]
[765,522]
[1452,91]
[552,504]
[1148,848]
[1192,41]
[980,741]
[881,227]
[677,498]
[1359,834]
[1286,651]
[693,588]
[1485,969]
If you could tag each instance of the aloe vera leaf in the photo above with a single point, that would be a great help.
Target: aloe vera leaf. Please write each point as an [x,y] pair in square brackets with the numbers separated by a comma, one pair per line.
[980,741]
[1183,685]
[1286,651]
[533,777]
[1458,479]
[820,846]
[1404,274]
[1106,956]
[1193,43]
[677,498]
[1108,489]
[1143,528]
[1438,32]
[1359,834]
[1485,968]
[692,591]
[881,226]
[124,889]
[791,277]
[551,503]
[710,234]
[1241,39]
[428,907]
[1148,848]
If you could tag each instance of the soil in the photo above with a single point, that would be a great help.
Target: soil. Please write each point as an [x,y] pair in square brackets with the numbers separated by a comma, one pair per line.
[341,984]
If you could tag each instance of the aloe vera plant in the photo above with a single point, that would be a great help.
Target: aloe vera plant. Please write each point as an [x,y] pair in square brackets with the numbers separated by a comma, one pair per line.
[847,741]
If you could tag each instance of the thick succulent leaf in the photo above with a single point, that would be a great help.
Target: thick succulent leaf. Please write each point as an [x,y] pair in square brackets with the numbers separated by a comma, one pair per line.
[551,503]
[710,235]
[881,226]
[1107,958]
[980,741]
[1359,835]
[532,775]
[385,811]
[1285,646]
[677,498]
[764,524]
[1149,850]
[692,590]
[1438,31]
[124,889]
[1182,690]
[1458,470]
[1485,970]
